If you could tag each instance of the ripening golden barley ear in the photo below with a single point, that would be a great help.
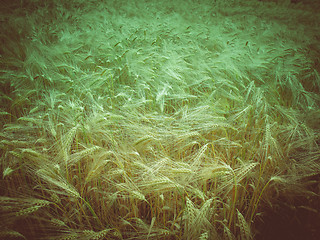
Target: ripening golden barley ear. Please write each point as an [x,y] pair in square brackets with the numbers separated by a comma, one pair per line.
[96,169]
[245,230]
[200,154]
[197,221]
[74,158]
[227,234]
[57,181]
[34,157]
[196,192]
[57,222]
[13,209]
[244,170]
[189,215]
[132,190]
[160,183]
[153,220]
[89,234]
[204,236]
[28,211]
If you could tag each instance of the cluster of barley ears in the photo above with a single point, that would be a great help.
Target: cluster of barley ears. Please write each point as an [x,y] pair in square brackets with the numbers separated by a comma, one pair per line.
[155,119]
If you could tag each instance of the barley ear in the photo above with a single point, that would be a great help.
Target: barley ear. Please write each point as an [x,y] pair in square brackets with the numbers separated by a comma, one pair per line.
[244,227]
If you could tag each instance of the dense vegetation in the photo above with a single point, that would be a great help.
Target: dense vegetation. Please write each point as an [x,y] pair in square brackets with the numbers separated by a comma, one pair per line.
[158,119]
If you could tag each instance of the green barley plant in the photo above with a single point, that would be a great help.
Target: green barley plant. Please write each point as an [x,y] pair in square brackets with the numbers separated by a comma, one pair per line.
[158,120]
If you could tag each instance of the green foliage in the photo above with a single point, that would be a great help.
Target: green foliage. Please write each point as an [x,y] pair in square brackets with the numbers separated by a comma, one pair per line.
[155,119]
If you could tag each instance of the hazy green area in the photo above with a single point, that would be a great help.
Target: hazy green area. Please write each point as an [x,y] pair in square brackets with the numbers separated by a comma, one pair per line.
[158,119]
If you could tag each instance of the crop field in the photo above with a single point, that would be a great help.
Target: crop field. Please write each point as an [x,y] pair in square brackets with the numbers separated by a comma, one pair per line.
[159,120]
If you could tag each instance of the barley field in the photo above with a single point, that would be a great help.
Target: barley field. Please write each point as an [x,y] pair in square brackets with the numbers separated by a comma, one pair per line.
[144,119]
